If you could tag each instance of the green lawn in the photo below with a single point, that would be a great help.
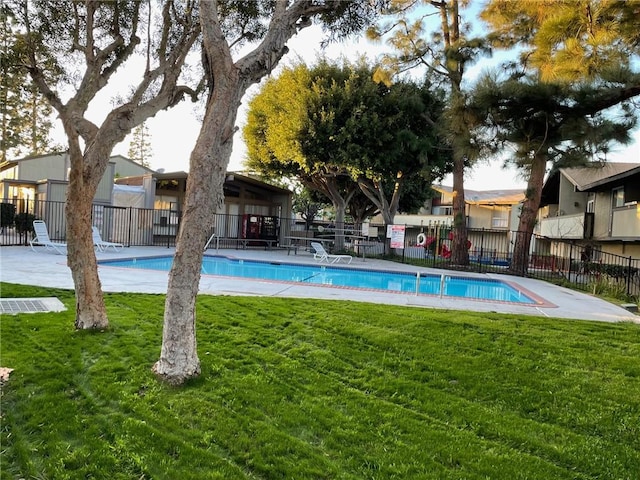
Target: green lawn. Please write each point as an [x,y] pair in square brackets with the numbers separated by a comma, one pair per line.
[311,389]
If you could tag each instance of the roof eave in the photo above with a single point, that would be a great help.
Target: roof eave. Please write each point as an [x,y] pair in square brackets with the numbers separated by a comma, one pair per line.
[607,180]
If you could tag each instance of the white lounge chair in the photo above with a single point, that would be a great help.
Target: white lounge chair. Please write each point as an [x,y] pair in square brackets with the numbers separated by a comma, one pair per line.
[101,245]
[42,238]
[322,255]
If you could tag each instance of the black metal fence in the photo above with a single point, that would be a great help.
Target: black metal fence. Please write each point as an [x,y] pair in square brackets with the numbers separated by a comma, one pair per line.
[581,266]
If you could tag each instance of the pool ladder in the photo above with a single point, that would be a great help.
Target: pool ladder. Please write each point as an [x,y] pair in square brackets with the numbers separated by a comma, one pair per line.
[442,280]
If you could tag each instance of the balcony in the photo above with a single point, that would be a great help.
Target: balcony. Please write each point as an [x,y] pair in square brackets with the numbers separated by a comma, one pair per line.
[578,226]
[626,222]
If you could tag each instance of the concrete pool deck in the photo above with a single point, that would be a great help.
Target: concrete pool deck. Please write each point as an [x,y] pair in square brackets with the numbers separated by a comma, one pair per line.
[21,265]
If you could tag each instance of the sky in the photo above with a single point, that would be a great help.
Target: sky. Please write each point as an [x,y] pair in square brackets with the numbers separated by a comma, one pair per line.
[174,132]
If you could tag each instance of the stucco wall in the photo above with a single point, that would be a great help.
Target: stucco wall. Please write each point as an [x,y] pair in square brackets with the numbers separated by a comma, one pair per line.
[52,167]
[570,201]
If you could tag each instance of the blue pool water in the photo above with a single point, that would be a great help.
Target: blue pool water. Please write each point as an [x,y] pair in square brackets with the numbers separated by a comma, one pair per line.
[454,286]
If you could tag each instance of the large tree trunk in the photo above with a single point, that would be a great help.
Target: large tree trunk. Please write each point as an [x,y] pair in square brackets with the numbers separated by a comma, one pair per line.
[450,24]
[91,312]
[528,216]
[208,163]
[228,81]
[340,207]
[329,186]
[374,191]
[459,250]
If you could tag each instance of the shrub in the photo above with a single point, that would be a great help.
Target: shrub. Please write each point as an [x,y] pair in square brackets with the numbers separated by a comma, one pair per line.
[24,222]
[7,214]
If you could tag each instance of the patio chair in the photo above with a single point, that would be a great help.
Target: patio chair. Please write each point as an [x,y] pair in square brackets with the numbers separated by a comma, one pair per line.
[320,254]
[42,238]
[101,245]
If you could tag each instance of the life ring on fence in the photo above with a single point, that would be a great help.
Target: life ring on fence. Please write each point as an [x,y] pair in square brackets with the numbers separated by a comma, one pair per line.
[421,240]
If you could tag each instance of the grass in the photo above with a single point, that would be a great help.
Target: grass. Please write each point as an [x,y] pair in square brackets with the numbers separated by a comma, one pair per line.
[311,389]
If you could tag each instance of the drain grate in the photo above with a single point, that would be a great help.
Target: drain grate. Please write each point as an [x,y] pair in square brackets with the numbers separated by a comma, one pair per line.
[30,305]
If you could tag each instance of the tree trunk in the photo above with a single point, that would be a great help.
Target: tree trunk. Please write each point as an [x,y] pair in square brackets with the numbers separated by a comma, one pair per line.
[341,210]
[459,250]
[91,312]
[528,216]
[329,186]
[208,163]
[228,82]
[450,24]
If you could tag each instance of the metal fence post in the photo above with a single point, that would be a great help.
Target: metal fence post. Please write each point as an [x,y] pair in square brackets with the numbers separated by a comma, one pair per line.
[129,226]
[629,277]
[570,262]
[481,253]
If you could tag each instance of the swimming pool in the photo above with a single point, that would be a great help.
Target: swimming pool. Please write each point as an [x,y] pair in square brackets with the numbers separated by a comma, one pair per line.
[328,275]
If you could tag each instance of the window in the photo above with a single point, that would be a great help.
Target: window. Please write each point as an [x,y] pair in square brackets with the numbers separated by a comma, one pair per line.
[591,206]
[443,211]
[499,222]
[500,217]
[618,197]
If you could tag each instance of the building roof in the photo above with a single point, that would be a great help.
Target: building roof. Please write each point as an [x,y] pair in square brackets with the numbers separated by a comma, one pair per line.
[591,176]
[114,159]
[586,178]
[487,197]
[231,177]
[8,163]
[120,158]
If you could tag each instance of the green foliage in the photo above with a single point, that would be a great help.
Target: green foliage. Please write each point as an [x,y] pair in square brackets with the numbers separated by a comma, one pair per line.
[308,204]
[610,287]
[25,115]
[140,146]
[299,388]
[563,122]
[7,214]
[609,269]
[335,121]
[609,279]
[24,222]
[567,40]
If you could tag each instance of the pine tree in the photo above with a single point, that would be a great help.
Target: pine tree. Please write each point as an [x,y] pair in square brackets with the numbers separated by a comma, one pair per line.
[140,146]
[567,40]
[445,49]
[25,116]
[577,57]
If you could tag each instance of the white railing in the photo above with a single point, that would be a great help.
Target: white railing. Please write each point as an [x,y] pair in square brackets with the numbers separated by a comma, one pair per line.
[626,222]
[564,226]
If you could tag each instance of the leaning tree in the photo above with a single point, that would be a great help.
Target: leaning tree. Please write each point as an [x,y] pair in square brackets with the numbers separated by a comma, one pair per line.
[89,42]
[226,25]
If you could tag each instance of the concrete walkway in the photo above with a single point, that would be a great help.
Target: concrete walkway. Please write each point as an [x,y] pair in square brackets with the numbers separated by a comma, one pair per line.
[23,266]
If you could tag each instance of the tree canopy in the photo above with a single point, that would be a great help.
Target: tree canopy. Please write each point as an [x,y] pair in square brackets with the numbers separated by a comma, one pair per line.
[25,121]
[555,106]
[271,25]
[140,146]
[438,38]
[335,129]
[71,51]
[567,40]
